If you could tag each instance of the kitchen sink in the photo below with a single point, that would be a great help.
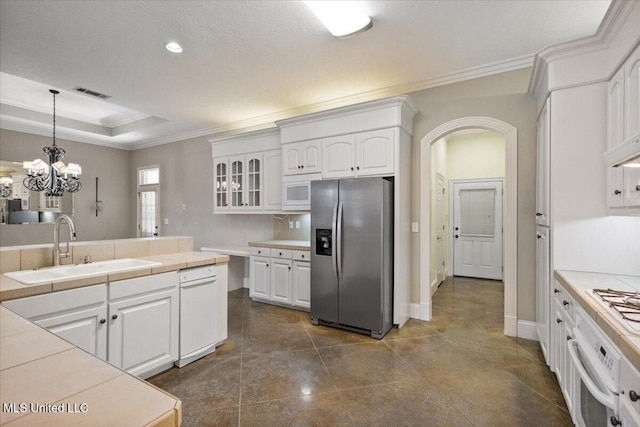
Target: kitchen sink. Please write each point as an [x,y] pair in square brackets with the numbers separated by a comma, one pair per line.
[70,272]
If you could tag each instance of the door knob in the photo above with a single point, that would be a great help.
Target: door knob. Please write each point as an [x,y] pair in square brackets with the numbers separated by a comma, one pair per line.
[114,317]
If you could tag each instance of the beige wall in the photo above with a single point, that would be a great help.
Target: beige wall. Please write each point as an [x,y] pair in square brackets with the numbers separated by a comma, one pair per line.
[110,164]
[504,97]
[186,178]
[476,155]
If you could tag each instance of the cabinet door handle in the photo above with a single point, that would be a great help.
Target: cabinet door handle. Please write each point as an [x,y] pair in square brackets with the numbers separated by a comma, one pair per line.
[114,317]
[539,236]
[357,167]
[280,253]
[558,320]
[633,396]
[267,265]
[302,166]
[565,302]
[289,268]
[103,320]
[351,167]
[637,187]
[302,256]
[617,192]
[556,291]
[538,213]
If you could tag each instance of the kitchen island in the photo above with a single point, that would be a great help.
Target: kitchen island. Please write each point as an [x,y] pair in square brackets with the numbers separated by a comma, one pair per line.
[45,380]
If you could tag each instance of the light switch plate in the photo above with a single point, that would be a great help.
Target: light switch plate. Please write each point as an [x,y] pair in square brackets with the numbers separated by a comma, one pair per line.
[290,224]
[166,221]
[297,224]
[414,227]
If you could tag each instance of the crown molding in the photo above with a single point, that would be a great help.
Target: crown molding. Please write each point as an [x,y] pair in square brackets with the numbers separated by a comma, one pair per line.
[610,26]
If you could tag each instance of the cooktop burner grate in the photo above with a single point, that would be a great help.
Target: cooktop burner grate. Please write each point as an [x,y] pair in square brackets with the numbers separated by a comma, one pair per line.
[625,303]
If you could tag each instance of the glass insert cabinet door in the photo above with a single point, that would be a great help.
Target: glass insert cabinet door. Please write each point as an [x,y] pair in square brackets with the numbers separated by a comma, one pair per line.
[237,182]
[221,184]
[254,182]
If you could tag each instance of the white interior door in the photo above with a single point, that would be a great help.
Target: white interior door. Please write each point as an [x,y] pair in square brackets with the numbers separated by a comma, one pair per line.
[440,226]
[477,229]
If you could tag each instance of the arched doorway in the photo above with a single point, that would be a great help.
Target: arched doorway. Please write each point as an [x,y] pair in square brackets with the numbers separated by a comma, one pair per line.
[510,221]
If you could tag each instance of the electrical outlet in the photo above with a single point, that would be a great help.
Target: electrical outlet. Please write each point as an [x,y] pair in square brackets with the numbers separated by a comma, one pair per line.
[414,227]
[166,221]
[297,224]
[290,224]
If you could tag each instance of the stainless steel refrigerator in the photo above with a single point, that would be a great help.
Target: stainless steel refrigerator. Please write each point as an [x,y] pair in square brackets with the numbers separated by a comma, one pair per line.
[352,254]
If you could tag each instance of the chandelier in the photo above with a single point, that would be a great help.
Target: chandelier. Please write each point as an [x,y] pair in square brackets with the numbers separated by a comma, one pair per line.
[54,178]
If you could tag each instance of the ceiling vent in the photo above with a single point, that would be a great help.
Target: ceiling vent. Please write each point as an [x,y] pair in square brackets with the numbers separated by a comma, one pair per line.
[91,92]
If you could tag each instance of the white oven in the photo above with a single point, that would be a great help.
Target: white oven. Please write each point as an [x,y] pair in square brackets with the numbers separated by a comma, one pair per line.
[596,379]
[296,196]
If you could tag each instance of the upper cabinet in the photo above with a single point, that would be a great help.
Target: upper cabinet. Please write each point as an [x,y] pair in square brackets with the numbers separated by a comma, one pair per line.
[301,158]
[623,135]
[543,167]
[247,173]
[632,95]
[360,154]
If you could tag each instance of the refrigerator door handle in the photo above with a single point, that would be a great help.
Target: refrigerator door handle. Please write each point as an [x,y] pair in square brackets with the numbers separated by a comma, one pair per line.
[333,236]
[339,241]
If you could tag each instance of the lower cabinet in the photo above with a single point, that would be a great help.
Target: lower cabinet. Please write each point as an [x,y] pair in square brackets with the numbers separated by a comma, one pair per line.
[143,323]
[563,324]
[280,276]
[135,328]
[77,315]
[630,397]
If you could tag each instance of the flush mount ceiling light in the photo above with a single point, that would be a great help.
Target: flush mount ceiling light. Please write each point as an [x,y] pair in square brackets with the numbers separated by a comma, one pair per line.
[54,178]
[173,47]
[342,18]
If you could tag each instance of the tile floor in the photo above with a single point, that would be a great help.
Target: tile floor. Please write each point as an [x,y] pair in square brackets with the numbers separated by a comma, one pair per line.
[459,369]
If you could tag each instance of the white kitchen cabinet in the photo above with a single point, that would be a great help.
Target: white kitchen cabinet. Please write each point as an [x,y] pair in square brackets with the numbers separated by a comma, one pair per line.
[272,199]
[615,109]
[361,154]
[245,182]
[543,178]
[542,291]
[632,95]
[144,323]
[630,397]
[302,283]
[281,280]
[260,277]
[280,276]
[77,315]
[563,324]
[301,157]
[623,125]
[247,173]
[220,184]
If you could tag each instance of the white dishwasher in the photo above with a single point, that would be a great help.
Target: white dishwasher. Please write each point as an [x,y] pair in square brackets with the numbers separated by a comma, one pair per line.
[198,324]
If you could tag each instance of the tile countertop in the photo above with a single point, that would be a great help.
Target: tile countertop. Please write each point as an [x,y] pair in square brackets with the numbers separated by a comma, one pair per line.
[61,385]
[296,245]
[11,289]
[579,283]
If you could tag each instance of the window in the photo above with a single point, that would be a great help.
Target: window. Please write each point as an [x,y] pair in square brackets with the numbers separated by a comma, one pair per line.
[149,201]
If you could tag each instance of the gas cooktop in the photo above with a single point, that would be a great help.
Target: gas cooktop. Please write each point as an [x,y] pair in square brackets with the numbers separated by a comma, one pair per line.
[623,305]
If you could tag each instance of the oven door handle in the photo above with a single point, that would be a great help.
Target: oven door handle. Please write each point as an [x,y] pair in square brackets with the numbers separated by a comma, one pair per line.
[606,400]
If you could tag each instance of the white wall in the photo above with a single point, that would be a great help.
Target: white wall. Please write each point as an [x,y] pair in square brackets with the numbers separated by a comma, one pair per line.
[584,235]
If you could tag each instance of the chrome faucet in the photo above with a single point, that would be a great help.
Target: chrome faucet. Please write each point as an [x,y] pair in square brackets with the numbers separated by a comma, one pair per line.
[57,255]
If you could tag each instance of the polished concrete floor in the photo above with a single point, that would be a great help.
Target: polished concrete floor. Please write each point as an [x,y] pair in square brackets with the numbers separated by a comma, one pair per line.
[277,369]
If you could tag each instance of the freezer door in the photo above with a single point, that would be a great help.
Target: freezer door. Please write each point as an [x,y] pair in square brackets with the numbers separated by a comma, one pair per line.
[361,248]
[324,280]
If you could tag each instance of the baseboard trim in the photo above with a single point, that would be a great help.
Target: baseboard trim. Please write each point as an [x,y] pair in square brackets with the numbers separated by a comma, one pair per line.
[527,330]
[511,326]
[414,311]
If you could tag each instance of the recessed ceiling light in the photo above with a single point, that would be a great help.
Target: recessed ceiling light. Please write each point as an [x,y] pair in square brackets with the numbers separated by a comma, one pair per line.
[173,47]
[342,18]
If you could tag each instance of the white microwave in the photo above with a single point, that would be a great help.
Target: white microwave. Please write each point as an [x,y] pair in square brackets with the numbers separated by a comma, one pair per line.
[296,196]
